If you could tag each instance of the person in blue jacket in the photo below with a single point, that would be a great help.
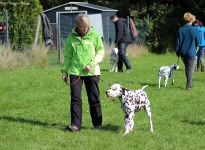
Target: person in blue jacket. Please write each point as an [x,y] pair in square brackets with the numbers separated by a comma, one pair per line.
[200,53]
[187,40]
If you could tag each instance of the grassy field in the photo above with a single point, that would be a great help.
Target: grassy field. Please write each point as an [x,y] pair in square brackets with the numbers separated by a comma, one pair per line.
[34,110]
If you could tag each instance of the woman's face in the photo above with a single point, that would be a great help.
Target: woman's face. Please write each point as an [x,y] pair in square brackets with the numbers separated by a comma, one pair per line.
[83,27]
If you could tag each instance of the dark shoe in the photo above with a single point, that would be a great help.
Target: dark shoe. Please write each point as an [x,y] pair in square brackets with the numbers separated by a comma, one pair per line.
[120,71]
[72,128]
[128,70]
[97,127]
[189,88]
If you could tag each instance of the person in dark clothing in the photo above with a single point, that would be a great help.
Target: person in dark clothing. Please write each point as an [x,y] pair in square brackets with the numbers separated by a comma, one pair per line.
[186,43]
[122,40]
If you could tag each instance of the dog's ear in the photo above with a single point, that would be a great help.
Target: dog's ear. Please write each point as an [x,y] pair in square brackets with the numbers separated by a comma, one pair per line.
[122,92]
[174,66]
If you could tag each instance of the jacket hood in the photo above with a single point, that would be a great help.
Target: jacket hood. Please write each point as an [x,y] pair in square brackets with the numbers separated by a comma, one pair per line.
[88,33]
[122,19]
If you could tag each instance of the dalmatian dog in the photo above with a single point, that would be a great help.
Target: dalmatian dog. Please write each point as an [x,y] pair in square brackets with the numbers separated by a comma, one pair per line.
[114,60]
[131,101]
[167,72]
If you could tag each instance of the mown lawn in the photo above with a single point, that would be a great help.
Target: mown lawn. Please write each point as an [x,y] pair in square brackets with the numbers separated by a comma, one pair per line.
[34,110]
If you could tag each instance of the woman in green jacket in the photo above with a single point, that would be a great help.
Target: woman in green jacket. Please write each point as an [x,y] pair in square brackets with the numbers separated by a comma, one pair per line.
[84,50]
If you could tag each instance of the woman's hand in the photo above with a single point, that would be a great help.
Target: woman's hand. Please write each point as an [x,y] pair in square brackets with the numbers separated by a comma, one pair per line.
[65,78]
[88,68]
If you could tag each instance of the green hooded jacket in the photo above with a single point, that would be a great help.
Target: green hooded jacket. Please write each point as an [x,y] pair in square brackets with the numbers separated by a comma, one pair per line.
[80,52]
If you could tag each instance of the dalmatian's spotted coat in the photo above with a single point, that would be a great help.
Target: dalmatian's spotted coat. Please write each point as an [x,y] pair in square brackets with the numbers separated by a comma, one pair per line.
[167,72]
[131,101]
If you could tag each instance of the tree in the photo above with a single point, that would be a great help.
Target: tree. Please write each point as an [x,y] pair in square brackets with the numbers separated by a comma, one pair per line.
[53,3]
[23,17]
[166,16]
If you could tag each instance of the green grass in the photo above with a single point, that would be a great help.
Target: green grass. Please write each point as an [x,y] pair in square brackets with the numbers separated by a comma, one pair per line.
[34,110]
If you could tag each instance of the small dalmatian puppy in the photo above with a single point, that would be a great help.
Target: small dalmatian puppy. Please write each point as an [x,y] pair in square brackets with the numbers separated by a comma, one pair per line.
[131,101]
[167,72]
[114,60]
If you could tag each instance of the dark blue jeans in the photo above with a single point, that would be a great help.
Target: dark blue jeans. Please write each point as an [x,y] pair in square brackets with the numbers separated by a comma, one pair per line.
[123,57]
[93,93]
[189,66]
[200,53]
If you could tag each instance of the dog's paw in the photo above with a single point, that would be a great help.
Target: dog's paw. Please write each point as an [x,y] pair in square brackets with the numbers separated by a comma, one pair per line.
[124,134]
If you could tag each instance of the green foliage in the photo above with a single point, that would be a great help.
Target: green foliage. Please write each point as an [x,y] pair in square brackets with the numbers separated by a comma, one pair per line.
[53,3]
[35,107]
[22,20]
[165,18]
[163,27]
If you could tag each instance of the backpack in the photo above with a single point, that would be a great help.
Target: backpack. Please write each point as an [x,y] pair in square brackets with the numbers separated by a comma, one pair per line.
[133,30]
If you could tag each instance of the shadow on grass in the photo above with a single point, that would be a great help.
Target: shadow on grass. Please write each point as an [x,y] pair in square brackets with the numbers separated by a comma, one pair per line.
[162,85]
[27,121]
[105,70]
[107,127]
[199,123]
[150,84]
[110,127]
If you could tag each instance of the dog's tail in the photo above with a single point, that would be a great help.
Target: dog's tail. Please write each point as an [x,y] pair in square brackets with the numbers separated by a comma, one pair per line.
[144,87]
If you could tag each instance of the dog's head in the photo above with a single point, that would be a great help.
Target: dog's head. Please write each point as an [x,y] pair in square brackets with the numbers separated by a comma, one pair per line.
[114,91]
[175,66]
[115,51]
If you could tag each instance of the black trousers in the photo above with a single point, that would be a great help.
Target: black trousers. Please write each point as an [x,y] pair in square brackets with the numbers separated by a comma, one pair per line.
[93,93]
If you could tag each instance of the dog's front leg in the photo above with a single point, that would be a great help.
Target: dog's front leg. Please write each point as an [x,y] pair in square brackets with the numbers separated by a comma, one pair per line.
[165,81]
[172,81]
[111,66]
[128,123]
[159,79]
[116,67]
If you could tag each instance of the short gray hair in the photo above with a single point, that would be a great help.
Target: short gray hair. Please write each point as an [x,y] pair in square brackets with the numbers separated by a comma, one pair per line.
[82,18]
